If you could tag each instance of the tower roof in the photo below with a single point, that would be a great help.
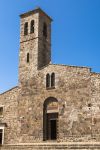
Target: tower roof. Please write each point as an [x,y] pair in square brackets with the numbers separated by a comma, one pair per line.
[36,10]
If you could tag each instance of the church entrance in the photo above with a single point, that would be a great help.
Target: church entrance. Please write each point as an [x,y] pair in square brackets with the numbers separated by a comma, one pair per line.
[53,128]
[50,119]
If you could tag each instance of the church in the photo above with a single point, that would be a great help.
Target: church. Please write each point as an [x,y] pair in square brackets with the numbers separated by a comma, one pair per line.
[54,106]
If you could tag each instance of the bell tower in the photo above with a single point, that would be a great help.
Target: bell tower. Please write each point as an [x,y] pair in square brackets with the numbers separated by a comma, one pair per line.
[35,43]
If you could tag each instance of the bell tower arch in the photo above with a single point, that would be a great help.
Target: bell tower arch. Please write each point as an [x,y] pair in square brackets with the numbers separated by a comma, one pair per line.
[35,43]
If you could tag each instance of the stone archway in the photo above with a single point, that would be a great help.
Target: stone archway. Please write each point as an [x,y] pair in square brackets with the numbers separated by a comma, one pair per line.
[50,119]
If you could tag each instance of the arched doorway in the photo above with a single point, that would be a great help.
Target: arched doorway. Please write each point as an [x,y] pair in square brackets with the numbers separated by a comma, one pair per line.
[50,119]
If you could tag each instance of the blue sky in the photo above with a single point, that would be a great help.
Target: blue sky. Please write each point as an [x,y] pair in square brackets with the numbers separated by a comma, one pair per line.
[75,34]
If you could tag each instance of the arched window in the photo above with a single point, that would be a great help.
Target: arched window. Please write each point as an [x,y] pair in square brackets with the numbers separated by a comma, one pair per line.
[47,80]
[26,28]
[32,27]
[53,80]
[45,30]
[28,57]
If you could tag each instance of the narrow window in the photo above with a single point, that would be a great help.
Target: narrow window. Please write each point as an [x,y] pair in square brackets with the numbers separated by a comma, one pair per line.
[53,80]
[1,136]
[32,27]
[26,28]
[44,57]
[89,105]
[45,30]
[28,57]
[47,80]
[1,111]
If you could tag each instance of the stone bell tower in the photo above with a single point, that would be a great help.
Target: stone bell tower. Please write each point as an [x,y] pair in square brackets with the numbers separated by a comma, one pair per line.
[35,43]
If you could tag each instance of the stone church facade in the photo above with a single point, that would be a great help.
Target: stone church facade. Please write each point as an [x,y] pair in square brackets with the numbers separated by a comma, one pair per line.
[54,106]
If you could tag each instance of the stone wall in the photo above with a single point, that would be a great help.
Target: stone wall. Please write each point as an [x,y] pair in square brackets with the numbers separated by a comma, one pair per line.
[95,105]
[77,92]
[10,115]
[73,92]
[53,146]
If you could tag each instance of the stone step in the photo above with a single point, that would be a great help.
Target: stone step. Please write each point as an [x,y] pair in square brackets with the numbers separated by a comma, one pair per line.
[52,146]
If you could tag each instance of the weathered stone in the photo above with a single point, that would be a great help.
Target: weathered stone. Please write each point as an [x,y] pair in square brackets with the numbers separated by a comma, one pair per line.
[75,97]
